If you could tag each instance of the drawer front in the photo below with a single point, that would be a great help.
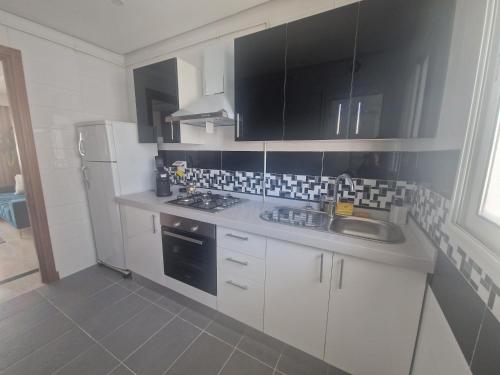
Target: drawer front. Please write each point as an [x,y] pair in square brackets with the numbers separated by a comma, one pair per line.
[241,299]
[242,265]
[242,242]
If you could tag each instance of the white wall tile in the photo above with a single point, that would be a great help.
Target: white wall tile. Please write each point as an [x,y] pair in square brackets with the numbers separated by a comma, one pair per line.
[64,87]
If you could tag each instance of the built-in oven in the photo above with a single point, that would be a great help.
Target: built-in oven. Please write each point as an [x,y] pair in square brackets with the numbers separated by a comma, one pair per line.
[190,252]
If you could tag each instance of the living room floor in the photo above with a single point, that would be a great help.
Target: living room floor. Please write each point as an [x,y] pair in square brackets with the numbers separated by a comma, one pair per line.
[18,262]
[95,322]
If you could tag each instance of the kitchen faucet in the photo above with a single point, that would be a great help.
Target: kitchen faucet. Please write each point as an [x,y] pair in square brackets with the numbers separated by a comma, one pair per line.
[330,205]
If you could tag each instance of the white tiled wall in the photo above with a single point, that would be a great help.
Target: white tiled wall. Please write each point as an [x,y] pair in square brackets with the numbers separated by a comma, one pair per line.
[66,86]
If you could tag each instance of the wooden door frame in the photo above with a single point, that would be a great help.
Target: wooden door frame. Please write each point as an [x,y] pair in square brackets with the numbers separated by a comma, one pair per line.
[18,99]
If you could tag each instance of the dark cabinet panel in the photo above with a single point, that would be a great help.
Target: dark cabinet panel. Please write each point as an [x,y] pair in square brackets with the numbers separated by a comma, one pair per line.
[156,96]
[320,53]
[401,61]
[259,84]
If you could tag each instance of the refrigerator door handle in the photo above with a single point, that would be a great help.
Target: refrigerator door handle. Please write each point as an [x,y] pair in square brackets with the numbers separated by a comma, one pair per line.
[86,177]
[81,149]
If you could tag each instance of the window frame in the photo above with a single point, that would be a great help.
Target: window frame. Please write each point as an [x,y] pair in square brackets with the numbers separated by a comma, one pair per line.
[489,53]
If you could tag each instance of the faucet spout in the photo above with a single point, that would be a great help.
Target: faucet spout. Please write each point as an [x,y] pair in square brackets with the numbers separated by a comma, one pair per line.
[348,180]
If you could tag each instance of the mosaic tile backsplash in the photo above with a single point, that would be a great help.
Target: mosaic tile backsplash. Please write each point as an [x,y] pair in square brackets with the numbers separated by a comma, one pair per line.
[430,210]
[368,193]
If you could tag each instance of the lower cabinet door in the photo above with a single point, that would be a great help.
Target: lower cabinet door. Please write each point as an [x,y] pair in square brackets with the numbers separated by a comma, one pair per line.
[373,317]
[143,246]
[297,290]
[241,299]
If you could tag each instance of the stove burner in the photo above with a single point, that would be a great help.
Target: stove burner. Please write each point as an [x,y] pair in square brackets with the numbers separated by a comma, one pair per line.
[206,201]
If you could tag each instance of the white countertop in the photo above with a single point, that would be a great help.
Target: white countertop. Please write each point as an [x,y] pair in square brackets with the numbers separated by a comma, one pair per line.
[416,253]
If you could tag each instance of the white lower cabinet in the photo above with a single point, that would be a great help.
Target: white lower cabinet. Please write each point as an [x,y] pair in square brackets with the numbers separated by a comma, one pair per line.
[373,317]
[240,273]
[297,292]
[143,246]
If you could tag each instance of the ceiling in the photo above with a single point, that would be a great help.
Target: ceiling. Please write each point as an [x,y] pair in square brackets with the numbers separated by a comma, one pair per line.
[123,26]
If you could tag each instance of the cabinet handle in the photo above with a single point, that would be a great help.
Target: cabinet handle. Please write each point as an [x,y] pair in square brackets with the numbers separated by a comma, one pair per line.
[237,285]
[339,114]
[154,223]
[358,118]
[171,130]
[341,274]
[237,237]
[237,125]
[242,263]
[81,149]
[322,257]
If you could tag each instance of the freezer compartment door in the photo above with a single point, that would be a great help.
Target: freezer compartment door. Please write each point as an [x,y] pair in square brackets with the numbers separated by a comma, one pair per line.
[101,183]
[96,143]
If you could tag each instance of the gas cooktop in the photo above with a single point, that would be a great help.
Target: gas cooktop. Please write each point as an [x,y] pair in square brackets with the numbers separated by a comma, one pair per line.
[206,201]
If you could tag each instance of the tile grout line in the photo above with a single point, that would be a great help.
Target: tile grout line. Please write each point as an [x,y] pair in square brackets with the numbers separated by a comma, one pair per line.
[104,337]
[149,339]
[275,371]
[204,330]
[90,336]
[38,349]
[230,356]
[184,351]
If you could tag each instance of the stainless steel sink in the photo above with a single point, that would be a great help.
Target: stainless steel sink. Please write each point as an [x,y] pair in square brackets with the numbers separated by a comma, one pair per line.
[369,229]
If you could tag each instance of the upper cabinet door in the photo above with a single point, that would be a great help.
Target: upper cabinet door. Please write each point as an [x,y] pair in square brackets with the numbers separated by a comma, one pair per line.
[259,84]
[400,67]
[156,96]
[320,54]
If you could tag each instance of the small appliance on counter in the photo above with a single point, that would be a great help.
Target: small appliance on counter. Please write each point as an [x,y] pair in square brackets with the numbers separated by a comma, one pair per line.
[162,179]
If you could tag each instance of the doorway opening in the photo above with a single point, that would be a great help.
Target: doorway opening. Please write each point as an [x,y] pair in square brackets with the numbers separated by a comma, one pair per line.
[26,259]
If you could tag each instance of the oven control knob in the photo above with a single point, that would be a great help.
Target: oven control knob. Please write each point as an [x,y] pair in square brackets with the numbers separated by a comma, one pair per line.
[195,228]
[177,224]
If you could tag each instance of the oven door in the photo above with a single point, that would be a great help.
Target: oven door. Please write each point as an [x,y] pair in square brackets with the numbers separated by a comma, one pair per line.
[190,258]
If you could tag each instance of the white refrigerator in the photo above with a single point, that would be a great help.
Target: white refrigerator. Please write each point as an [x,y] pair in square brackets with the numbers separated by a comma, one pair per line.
[113,163]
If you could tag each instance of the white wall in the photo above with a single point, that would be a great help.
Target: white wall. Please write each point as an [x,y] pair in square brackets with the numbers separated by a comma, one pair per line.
[67,81]
[437,351]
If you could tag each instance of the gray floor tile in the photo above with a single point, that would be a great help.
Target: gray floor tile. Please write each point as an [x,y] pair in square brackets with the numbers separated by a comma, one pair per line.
[149,294]
[198,314]
[130,284]
[261,346]
[52,356]
[128,337]
[226,329]
[73,288]
[95,361]
[296,362]
[108,320]
[18,347]
[170,304]
[21,322]
[121,370]
[160,352]
[88,307]
[19,303]
[206,356]
[241,364]
[336,371]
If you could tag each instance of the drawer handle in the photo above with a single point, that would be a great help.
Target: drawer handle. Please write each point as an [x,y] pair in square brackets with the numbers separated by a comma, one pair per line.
[237,285]
[237,237]
[240,262]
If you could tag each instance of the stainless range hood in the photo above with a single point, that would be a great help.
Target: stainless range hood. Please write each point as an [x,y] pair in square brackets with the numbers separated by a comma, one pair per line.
[214,107]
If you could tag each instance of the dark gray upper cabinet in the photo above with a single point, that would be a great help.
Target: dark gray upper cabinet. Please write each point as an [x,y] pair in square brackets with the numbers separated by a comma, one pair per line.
[373,69]
[156,96]
[400,67]
[259,84]
[320,54]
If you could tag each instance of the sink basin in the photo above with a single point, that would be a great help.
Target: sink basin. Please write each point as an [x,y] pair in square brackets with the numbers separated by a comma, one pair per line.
[369,229]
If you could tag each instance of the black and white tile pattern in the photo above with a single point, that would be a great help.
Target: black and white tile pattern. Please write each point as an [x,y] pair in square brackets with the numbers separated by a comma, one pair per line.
[430,210]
